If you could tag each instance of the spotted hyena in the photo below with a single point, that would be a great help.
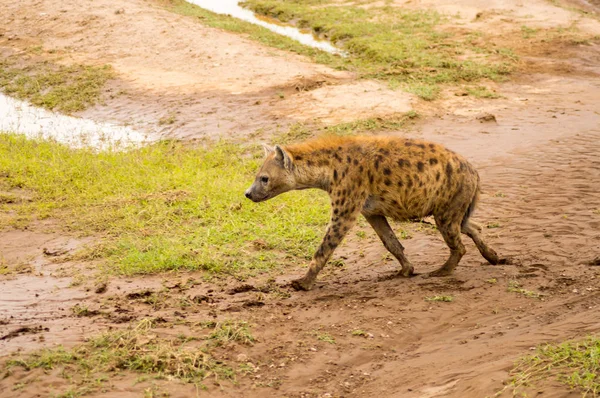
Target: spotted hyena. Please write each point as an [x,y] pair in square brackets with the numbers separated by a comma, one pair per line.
[378,177]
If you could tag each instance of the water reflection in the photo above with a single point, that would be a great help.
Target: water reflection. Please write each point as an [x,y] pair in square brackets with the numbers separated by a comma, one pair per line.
[232,7]
[23,118]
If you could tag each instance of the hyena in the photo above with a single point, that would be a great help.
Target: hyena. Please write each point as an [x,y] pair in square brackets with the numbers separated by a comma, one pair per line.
[378,177]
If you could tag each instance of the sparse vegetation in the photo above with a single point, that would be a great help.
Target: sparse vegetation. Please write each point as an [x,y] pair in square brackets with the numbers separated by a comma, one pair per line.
[225,332]
[361,234]
[63,88]
[80,310]
[528,32]
[482,92]
[167,120]
[515,287]
[326,337]
[302,131]
[22,267]
[572,363]
[137,349]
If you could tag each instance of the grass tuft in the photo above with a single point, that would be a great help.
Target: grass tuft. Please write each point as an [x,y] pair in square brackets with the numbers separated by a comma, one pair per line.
[326,337]
[575,364]
[137,349]
[228,331]
[62,88]
[515,287]
[482,92]
[302,131]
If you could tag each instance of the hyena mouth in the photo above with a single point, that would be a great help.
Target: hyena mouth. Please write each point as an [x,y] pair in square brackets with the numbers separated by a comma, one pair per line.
[267,196]
[256,200]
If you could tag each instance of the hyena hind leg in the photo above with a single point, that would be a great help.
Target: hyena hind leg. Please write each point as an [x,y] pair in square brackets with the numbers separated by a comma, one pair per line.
[391,242]
[450,230]
[472,230]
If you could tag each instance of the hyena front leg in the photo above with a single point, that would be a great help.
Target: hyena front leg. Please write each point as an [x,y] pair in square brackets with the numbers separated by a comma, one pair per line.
[342,219]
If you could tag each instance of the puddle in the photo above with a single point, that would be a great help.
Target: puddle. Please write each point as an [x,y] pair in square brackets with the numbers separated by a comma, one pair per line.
[22,118]
[232,7]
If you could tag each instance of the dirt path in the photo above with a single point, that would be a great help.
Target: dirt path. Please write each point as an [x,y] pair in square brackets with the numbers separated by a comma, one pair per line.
[213,83]
[541,175]
[540,196]
[548,224]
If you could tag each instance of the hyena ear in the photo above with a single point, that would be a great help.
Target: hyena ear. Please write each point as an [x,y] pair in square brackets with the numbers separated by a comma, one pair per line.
[268,149]
[283,157]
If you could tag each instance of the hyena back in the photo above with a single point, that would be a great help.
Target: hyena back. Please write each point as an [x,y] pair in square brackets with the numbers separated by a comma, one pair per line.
[378,177]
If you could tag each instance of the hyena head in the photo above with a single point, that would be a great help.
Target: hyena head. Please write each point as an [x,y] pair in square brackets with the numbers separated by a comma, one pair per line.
[274,177]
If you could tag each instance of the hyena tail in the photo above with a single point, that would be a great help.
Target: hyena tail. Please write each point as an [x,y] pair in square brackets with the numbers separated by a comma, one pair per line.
[472,230]
[471,210]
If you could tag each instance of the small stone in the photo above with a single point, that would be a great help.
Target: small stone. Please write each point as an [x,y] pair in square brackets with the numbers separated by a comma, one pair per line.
[241,358]
[120,11]
[101,287]
[486,117]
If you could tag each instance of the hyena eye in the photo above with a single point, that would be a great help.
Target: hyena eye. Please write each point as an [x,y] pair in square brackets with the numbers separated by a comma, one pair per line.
[264,179]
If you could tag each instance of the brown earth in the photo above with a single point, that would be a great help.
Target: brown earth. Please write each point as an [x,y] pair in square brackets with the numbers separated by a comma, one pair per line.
[538,159]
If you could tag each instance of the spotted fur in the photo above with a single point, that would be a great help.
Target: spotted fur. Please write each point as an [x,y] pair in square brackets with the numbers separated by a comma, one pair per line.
[378,177]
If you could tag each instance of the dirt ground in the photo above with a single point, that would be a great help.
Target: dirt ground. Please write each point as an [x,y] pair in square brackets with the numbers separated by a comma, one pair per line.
[538,159]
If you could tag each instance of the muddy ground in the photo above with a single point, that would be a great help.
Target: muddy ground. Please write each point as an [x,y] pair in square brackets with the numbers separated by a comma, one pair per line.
[538,159]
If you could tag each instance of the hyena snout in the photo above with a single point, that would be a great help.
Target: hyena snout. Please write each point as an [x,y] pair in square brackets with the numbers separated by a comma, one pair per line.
[253,195]
[248,194]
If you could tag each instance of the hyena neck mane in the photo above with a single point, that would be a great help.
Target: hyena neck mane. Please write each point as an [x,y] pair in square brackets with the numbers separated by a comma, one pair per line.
[313,160]
[309,173]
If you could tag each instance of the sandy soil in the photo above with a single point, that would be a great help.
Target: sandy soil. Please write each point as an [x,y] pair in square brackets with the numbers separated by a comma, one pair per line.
[541,175]
[215,84]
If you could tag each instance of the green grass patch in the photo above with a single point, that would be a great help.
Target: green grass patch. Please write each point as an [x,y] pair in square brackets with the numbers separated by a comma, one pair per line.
[575,364]
[302,131]
[164,207]
[137,349]
[515,287]
[62,88]
[326,337]
[482,92]
[405,47]
[228,331]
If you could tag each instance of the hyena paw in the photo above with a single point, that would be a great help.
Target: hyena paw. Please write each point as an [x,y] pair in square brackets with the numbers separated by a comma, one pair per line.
[441,272]
[406,272]
[303,284]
